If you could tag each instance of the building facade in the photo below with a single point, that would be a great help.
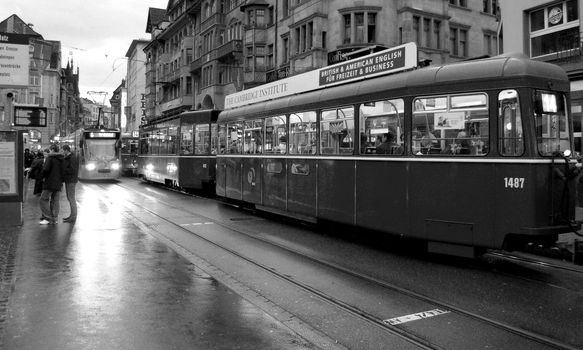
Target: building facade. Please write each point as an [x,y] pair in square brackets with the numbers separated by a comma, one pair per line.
[50,87]
[549,31]
[118,103]
[202,50]
[135,108]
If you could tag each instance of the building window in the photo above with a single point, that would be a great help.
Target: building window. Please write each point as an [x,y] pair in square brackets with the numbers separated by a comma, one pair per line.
[490,44]
[347,28]
[554,28]
[359,27]
[458,39]
[491,7]
[270,62]
[285,49]
[460,3]
[427,32]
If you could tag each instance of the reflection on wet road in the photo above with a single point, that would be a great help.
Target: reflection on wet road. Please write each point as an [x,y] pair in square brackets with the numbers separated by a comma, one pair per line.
[103,284]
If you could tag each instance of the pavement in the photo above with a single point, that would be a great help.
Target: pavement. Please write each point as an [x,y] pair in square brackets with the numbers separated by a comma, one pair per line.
[102,283]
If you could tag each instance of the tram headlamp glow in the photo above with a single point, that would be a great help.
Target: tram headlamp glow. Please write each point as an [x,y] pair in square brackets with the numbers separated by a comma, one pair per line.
[150,167]
[567,153]
[115,166]
[171,168]
[90,166]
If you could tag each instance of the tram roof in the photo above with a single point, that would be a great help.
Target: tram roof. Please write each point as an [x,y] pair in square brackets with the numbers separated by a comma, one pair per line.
[505,67]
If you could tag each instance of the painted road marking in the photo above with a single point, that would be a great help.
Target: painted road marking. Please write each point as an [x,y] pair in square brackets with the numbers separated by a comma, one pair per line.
[414,317]
[197,223]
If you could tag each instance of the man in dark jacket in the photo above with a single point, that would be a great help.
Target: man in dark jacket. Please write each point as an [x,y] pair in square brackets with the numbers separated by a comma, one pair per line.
[52,184]
[70,176]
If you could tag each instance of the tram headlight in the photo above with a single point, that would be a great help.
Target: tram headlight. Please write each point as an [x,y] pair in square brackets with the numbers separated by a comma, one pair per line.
[567,153]
[150,167]
[115,166]
[171,168]
[90,166]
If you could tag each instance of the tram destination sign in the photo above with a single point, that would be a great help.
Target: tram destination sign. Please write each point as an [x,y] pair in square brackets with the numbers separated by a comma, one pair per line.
[379,63]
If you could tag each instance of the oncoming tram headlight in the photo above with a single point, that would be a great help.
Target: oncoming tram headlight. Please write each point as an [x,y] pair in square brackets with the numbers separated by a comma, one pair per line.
[90,166]
[115,166]
[150,167]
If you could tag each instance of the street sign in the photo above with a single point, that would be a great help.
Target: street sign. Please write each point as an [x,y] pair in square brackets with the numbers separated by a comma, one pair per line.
[14,60]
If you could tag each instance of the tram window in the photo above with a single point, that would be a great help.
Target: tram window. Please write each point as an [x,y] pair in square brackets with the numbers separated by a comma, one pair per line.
[552,127]
[275,135]
[302,133]
[253,136]
[171,139]
[156,141]
[337,131]
[214,139]
[144,143]
[202,136]
[382,127]
[510,131]
[186,138]
[222,139]
[451,125]
[235,137]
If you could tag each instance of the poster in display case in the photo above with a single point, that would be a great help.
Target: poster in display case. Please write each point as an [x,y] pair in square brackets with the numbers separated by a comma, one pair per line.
[8,163]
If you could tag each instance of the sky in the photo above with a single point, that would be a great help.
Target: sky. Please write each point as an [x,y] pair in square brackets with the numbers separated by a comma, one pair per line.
[95,34]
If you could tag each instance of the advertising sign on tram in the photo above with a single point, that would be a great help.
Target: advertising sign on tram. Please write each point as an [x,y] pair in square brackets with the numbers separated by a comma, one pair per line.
[388,61]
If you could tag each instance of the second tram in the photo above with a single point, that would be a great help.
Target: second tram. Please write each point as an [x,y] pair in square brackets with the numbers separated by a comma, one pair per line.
[180,151]
[129,154]
[478,152]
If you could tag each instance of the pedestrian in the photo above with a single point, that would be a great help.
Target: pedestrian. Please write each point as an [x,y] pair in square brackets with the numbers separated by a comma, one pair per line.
[36,171]
[28,158]
[70,176]
[52,184]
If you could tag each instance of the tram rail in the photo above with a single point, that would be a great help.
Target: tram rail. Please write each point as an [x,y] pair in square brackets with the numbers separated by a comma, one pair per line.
[355,310]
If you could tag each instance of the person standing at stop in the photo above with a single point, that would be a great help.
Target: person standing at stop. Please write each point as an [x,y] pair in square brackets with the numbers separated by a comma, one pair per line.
[70,176]
[52,184]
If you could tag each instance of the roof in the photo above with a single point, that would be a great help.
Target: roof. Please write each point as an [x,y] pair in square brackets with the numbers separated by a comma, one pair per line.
[155,16]
[14,24]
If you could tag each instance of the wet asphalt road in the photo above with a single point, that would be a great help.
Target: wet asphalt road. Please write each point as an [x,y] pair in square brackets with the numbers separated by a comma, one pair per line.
[103,284]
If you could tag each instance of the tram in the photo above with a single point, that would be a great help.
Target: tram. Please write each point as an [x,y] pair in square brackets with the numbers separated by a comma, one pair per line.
[180,151]
[129,154]
[479,155]
[98,150]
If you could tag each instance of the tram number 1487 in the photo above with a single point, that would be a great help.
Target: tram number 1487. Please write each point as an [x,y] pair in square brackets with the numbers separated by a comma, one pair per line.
[514,182]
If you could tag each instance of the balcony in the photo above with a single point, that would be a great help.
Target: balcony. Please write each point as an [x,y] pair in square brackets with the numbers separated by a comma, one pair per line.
[183,101]
[214,20]
[197,64]
[255,78]
[230,49]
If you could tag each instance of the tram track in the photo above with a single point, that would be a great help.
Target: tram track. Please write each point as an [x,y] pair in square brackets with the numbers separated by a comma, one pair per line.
[534,262]
[346,307]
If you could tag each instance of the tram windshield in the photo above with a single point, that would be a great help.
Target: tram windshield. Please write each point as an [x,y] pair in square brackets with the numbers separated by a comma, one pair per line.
[552,127]
[101,150]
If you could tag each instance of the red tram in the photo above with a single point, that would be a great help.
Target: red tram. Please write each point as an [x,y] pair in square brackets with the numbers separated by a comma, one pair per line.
[179,151]
[478,154]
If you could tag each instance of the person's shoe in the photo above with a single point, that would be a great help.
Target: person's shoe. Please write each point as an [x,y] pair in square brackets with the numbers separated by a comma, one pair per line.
[67,218]
[44,222]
